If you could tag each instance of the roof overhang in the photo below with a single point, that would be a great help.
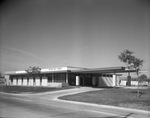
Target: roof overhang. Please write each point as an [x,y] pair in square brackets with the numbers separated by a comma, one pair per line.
[77,70]
[105,70]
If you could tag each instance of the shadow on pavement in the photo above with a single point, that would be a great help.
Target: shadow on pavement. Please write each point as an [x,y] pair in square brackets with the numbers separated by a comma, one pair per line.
[115,116]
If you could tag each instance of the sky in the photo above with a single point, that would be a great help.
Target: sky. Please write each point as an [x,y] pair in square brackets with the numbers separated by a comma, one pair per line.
[82,33]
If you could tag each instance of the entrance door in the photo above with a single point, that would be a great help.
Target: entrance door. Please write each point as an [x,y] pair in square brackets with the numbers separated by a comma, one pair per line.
[86,80]
[72,79]
[81,81]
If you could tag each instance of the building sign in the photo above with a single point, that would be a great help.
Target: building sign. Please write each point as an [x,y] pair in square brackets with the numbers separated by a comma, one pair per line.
[55,69]
[19,72]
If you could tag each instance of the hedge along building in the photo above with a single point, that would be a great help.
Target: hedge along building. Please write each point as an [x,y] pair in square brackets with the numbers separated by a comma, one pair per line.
[75,76]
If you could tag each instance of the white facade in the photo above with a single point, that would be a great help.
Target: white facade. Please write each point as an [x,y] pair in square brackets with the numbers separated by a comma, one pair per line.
[14,81]
[31,83]
[44,81]
[106,81]
[54,84]
[25,81]
[20,81]
[37,81]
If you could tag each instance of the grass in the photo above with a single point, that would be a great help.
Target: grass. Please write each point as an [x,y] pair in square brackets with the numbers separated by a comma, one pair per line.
[114,97]
[27,89]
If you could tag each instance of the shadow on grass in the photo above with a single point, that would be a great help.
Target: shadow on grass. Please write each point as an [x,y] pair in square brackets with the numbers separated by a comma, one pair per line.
[107,87]
[29,89]
[140,93]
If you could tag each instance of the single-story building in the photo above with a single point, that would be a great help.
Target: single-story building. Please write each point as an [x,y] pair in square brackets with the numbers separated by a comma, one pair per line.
[75,76]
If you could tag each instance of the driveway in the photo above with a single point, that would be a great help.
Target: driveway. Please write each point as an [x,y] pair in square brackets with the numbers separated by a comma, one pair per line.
[46,105]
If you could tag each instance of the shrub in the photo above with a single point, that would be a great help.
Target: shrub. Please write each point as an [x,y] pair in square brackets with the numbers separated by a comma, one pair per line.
[64,84]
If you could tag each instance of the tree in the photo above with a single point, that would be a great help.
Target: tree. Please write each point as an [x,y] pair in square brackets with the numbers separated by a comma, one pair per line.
[2,79]
[137,65]
[142,78]
[33,70]
[132,62]
[126,57]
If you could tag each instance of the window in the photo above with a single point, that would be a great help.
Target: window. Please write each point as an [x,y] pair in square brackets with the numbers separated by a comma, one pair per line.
[59,77]
[50,78]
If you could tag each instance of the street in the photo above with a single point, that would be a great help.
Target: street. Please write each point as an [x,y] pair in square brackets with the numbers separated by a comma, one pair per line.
[45,105]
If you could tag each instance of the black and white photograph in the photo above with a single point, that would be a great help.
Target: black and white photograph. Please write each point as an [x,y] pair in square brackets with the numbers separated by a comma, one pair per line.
[74,58]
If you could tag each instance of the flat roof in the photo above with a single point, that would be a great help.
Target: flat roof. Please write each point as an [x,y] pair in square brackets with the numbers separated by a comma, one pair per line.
[72,69]
[107,70]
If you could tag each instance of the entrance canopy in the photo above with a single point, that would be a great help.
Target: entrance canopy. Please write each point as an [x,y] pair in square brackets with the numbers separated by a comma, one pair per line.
[106,70]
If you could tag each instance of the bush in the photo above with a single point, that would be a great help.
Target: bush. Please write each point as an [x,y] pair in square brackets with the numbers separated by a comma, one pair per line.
[64,84]
[2,80]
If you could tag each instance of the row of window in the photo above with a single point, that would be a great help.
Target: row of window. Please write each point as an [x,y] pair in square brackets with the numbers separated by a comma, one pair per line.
[61,77]
[54,78]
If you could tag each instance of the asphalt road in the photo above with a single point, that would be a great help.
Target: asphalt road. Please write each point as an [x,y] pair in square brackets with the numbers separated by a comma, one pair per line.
[45,105]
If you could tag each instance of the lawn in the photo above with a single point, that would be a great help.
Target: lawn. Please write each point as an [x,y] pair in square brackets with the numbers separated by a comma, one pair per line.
[27,89]
[114,97]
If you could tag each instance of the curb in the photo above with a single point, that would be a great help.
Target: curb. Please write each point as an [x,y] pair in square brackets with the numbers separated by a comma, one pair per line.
[104,106]
[30,93]
[99,105]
